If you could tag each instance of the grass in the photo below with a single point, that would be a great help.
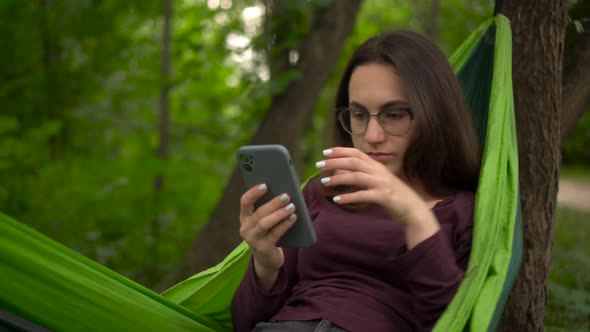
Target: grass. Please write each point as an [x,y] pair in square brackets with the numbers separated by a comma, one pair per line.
[569,287]
[569,284]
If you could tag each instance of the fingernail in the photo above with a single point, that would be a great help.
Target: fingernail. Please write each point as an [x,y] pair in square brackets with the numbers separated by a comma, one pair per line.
[284,198]
[289,207]
[327,152]
[325,180]
[262,187]
[292,216]
[336,199]
[320,164]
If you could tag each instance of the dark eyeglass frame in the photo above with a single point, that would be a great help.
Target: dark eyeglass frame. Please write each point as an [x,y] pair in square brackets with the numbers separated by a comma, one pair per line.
[339,111]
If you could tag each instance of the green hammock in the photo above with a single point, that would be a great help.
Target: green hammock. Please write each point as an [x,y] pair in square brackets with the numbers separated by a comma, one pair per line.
[43,282]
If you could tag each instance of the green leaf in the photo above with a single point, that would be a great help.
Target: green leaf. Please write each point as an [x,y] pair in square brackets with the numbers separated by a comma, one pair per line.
[8,124]
[6,4]
[579,26]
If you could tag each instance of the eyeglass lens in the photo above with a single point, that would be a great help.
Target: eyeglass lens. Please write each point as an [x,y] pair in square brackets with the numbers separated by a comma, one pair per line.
[395,121]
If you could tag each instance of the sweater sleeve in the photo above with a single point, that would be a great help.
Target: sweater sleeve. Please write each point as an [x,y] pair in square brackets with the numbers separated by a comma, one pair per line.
[435,267]
[252,305]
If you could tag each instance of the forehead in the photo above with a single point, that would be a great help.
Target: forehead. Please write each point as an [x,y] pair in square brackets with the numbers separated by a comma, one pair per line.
[375,84]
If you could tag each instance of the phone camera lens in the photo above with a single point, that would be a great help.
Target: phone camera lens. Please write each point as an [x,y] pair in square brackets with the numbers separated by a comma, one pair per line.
[244,158]
[247,167]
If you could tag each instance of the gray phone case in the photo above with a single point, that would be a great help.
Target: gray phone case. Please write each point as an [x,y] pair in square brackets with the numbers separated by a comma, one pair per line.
[272,164]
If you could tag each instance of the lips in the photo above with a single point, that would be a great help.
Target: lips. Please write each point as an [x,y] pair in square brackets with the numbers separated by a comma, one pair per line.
[380,156]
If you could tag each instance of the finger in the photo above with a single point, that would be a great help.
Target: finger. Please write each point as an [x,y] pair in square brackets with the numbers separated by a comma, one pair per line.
[265,217]
[271,206]
[359,196]
[343,152]
[344,163]
[250,197]
[341,171]
[356,179]
[268,222]
[271,238]
[281,228]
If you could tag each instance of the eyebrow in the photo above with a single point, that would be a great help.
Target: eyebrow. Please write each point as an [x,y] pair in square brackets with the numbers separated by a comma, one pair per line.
[392,103]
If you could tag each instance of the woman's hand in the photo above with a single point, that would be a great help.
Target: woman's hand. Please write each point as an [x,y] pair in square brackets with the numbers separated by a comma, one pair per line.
[378,185]
[262,228]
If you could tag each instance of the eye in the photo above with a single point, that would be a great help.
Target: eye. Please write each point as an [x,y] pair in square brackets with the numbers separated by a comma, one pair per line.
[358,114]
[393,114]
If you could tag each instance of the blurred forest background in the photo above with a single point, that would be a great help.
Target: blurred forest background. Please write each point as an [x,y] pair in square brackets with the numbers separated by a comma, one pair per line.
[119,120]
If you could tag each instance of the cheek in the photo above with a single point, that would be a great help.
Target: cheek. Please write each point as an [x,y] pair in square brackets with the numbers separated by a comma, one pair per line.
[357,141]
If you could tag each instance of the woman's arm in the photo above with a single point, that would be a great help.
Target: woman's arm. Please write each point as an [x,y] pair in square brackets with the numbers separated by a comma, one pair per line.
[254,303]
[264,289]
[435,267]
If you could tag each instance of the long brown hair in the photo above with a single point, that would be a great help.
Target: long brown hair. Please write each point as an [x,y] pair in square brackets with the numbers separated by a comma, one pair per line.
[444,153]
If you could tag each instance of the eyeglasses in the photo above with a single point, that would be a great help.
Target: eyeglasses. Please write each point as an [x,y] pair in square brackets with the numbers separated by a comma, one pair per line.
[394,121]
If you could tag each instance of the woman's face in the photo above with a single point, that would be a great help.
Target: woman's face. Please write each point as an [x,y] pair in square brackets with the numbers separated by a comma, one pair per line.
[377,87]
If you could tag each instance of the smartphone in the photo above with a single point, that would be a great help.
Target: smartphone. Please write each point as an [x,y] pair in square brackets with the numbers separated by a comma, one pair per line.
[272,164]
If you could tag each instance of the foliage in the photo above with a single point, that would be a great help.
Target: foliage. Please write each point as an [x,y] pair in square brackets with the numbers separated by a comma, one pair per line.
[575,150]
[578,173]
[78,127]
[569,287]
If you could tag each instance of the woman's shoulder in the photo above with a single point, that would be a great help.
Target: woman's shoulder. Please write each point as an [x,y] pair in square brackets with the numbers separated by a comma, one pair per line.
[460,199]
[465,198]
[456,210]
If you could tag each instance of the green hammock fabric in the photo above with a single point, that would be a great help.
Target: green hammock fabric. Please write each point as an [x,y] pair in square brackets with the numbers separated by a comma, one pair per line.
[48,284]
[486,76]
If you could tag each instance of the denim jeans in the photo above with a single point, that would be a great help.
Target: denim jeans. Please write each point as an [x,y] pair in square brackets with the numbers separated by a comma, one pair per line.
[322,325]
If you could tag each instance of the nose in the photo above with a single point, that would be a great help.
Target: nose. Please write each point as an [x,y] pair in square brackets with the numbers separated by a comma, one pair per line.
[374,132]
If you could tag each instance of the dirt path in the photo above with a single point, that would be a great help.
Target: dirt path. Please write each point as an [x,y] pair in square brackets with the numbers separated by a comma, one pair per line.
[575,194]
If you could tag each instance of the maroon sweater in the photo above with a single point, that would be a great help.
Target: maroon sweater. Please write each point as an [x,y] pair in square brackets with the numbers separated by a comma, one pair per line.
[360,275]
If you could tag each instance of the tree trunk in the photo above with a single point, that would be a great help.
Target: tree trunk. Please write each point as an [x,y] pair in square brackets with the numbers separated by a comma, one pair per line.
[151,272]
[284,123]
[538,28]
[53,104]
[165,72]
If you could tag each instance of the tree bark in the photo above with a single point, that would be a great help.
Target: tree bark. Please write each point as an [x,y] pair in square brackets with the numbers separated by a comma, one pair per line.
[164,100]
[538,41]
[53,104]
[576,71]
[151,271]
[284,123]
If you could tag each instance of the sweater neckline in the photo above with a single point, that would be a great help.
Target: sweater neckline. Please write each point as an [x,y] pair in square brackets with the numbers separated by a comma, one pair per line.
[445,201]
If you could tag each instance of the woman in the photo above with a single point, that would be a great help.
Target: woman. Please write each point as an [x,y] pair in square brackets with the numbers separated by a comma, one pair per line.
[393,213]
